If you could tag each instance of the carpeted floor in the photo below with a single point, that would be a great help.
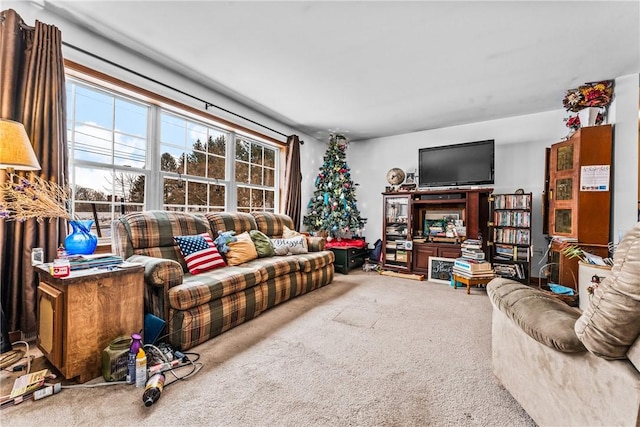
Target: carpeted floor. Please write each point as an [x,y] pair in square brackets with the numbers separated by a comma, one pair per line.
[367,350]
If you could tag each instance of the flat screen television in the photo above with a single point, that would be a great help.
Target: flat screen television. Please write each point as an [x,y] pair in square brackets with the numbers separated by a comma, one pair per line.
[470,163]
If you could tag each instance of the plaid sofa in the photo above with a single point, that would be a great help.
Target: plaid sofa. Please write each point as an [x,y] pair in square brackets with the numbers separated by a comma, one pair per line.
[199,307]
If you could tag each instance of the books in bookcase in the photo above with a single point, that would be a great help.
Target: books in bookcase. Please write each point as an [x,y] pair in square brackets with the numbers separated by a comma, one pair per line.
[510,271]
[505,252]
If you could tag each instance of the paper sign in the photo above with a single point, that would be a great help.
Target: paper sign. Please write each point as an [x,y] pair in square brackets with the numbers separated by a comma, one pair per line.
[594,178]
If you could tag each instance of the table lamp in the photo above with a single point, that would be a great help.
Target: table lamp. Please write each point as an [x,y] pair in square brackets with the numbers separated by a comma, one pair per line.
[16,153]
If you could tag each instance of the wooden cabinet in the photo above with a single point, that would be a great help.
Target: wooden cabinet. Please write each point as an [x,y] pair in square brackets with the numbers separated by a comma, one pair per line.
[579,197]
[79,315]
[419,232]
[349,258]
[396,255]
[510,235]
[423,251]
[563,270]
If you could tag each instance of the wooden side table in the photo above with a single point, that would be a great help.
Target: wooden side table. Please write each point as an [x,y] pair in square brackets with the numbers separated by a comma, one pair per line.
[348,258]
[470,281]
[79,315]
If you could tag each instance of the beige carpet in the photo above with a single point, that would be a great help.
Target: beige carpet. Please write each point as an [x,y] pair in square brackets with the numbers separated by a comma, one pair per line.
[367,350]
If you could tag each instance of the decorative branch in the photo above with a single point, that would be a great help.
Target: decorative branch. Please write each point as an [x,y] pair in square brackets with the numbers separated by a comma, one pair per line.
[34,198]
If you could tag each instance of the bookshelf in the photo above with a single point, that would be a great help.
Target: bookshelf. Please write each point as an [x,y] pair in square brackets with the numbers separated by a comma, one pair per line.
[510,235]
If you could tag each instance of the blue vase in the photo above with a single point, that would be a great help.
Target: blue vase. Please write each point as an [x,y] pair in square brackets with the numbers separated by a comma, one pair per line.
[81,241]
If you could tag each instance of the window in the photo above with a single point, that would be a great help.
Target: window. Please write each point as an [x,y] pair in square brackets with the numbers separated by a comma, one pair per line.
[255,167]
[193,164]
[130,155]
[107,141]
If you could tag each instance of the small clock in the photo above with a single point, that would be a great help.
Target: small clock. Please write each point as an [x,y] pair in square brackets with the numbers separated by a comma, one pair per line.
[395,176]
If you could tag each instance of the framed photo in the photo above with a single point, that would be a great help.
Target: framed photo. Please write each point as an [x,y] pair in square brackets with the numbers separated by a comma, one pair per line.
[411,178]
[440,269]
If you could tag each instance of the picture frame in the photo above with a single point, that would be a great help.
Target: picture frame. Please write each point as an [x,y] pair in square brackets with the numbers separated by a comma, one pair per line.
[411,178]
[440,269]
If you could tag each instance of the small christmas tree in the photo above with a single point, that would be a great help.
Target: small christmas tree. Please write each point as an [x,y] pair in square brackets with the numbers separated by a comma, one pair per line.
[333,207]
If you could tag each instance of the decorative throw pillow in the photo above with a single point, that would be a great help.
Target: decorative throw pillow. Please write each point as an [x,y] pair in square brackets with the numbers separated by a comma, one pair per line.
[242,250]
[287,233]
[291,246]
[262,243]
[199,252]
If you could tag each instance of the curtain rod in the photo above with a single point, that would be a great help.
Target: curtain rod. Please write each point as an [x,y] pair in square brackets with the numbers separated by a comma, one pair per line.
[206,103]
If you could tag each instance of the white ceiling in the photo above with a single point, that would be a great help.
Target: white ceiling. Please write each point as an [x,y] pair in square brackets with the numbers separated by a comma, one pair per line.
[378,68]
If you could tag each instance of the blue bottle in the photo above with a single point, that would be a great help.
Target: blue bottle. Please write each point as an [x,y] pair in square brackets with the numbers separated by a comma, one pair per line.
[136,345]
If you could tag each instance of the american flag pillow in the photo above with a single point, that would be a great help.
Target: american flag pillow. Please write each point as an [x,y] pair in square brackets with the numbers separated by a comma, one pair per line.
[200,253]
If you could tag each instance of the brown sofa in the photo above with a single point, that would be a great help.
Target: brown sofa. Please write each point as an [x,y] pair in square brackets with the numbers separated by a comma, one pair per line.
[567,367]
[199,307]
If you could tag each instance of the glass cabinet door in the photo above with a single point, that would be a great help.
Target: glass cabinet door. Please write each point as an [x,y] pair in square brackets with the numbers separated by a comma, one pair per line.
[396,231]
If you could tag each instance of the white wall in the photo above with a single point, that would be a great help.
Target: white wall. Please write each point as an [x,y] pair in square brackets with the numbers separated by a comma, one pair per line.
[519,162]
[625,160]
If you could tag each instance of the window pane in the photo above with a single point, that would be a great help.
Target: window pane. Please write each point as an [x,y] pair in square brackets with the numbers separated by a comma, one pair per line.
[269,177]
[269,157]
[269,197]
[217,196]
[197,194]
[173,192]
[92,144]
[242,172]
[257,199]
[256,154]
[216,167]
[217,143]
[196,163]
[172,130]
[93,107]
[256,175]
[242,150]
[171,160]
[244,197]
[129,151]
[131,118]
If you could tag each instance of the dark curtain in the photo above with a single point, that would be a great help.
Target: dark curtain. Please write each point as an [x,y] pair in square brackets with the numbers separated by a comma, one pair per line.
[32,91]
[293,181]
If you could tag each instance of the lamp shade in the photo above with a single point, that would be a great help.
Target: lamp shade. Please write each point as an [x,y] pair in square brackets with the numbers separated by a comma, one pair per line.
[15,148]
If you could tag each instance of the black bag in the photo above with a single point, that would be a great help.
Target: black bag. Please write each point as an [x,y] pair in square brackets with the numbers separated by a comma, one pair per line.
[376,253]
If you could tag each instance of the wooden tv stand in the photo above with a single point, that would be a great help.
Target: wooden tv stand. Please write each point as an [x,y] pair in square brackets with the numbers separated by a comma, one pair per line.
[425,207]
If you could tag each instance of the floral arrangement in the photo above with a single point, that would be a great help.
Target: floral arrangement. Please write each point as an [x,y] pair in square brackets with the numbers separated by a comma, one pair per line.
[34,198]
[595,94]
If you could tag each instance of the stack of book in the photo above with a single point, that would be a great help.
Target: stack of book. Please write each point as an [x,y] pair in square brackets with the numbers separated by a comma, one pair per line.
[472,249]
[83,262]
[473,268]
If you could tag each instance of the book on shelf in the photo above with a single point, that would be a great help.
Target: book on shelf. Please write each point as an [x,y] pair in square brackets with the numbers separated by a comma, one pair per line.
[510,271]
[472,265]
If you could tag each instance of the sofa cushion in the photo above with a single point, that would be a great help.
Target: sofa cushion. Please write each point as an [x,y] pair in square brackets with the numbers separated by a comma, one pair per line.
[231,221]
[314,260]
[611,322]
[262,243]
[543,317]
[287,233]
[242,250]
[151,233]
[200,253]
[214,284]
[294,245]
[272,224]
[273,267]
